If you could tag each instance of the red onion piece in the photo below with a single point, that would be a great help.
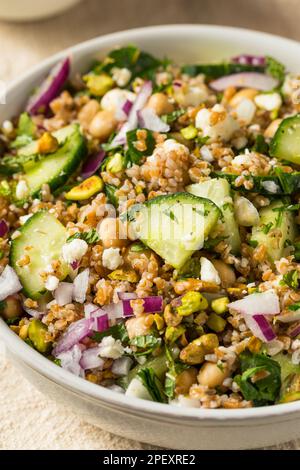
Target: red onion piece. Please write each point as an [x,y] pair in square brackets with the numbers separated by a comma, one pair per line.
[132,122]
[247,59]
[80,286]
[64,293]
[90,359]
[76,332]
[70,360]
[264,303]
[256,80]
[98,315]
[33,313]
[127,107]
[294,330]
[75,265]
[92,164]
[101,323]
[149,120]
[151,305]
[49,88]
[9,283]
[127,295]
[260,327]
[3,228]
[122,366]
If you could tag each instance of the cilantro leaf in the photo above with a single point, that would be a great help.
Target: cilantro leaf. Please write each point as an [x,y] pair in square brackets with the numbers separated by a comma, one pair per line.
[89,237]
[145,344]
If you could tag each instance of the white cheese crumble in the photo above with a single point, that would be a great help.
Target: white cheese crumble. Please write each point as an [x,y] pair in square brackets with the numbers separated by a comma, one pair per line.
[245,111]
[51,283]
[22,190]
[268,101]
[189,95]
[115,100]
[121,76]
[208,272]
[270,186]
[111,348]
[216,127]
[111,258]
[74,250]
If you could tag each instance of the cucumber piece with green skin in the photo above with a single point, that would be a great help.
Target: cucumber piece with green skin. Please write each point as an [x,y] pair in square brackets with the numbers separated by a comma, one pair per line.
[56,168]
[61,135]
[285,144]
[218,191]
[158,364]
[274,185]
[174,225]
[290,378]
[219,70]
[276,231]
[45,236]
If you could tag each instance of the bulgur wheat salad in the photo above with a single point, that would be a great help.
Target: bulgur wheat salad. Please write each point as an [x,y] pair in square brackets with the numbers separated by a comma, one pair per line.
[149,224]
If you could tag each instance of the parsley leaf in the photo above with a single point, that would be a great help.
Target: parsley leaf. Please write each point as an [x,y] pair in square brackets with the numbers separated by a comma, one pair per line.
[294,307]
[267,227]
[290,279]
[145,344]
[265,390]
[89,237]
[134,155]
[260,145]
[118,331]
[171,117]
[152,384]
[275,68]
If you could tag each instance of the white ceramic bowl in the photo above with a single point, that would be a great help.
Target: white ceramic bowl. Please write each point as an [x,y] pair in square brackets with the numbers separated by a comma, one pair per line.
[162,425]
[26,10]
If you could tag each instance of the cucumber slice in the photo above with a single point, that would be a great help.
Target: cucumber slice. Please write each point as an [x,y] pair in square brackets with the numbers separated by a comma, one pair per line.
[218,191]
[56,168]
[61,135]
[273,185]
[285,144]
[45,236]
[276,231]
[219,70]
[174,225]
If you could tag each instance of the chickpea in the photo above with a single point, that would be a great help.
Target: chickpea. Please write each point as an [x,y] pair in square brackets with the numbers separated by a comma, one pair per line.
[185,380]
[272,128]
[138,326]
[103,124]
[160,103]
[88,112]
[212,375]
[247,93]
[226,273]
[112,233]
[12,308]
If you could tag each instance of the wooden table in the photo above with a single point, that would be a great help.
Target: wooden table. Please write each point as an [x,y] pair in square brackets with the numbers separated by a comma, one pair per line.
[27,419]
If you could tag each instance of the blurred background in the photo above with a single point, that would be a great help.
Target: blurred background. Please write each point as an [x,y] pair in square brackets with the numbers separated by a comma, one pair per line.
[24,44]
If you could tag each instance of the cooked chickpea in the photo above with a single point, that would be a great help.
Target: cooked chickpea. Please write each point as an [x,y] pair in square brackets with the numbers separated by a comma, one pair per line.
[103,124]
[212,375]
[160,103]
[138,326]
[226,273]
[246,93]
[185,380]
[112,233]
[88,112]
[12,308]
[272,128]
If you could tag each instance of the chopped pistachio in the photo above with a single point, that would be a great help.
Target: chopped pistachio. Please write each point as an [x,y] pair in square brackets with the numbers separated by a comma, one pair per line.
[194,353]
[115,163]
[124,275]
[173,333]
[189,132]
[192,302]
[37,334]
[216,323]
[220,305]
[98,85]
[86,189]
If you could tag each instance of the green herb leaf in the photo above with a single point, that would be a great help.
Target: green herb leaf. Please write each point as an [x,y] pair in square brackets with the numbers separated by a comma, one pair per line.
[152,384]
[266,227]
[294,307]
[25,132]
[118,331]
[275,68]
[171,117]
[134,155]
[260,145]
[265,390]
[291,279]
[89,237]
[110,191]
[138,247]
[146,344]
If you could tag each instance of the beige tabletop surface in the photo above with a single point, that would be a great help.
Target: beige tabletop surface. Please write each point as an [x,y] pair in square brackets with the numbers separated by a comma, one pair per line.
[28,420]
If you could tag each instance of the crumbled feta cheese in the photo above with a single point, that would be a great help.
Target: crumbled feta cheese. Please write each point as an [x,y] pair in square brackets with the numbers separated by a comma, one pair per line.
[22,190]
[51,283]
[245,212]
[189,95]
[111,258]
[111,348]
[74,250]
[295,344]
[291,85]
[171,145]
[240,142]
[24,218]
[121,76]
[216,123]
[242,160]
[186,402]
[245,111]
[115,100]
[270,186]
[7,127]
[268,101]
[206,154]
[208,272]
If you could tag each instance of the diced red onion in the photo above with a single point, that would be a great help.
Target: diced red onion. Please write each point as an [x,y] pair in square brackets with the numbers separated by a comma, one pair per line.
[260,327]
[90,309]
[9,283]
[90,359]
[289,317]
[92,164]
[80,286]
[256,80]
[148,119]
[127,107]
[49,88]
[127,295]
[151,305]
[294,330]
[64,293]
[264,303]
[32,312]
[75,265]
[101,323]
[76,332]
[122,366]
[3,228]
[132,122]
[70,360]
[247,59]
[98,315]
[177,84]
[114,311]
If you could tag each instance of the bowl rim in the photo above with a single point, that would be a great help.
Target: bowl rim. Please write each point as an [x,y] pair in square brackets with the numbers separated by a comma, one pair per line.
[110,398]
